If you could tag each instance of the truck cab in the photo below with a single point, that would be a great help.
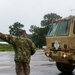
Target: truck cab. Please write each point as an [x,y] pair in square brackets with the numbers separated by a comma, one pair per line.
[60,43]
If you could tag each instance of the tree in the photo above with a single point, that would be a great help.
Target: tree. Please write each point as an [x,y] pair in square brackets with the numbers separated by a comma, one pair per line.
[15,28]
[35,34]
[48,18]
[38,35]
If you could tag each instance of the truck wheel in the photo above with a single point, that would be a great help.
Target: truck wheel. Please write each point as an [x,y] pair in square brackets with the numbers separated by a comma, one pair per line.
[63,67]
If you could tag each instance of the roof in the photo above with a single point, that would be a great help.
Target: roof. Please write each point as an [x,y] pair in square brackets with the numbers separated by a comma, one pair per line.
[67,18]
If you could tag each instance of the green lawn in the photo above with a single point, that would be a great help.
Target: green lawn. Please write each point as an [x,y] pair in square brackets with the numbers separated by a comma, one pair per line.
[6,47]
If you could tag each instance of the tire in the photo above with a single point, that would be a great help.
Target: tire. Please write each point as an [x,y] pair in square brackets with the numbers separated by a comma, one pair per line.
[65,68]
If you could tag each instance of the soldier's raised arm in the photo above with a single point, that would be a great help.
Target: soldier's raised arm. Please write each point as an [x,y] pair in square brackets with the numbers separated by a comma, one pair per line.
[7,37]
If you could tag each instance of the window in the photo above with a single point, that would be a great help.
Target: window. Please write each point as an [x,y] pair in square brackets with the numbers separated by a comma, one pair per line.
[63,28]
[52,30]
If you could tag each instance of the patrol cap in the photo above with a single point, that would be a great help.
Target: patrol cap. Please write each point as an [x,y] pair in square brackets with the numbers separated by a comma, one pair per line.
[22,31]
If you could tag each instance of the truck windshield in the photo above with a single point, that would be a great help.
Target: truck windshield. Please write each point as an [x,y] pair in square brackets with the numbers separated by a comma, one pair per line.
[53,29]
[59,29]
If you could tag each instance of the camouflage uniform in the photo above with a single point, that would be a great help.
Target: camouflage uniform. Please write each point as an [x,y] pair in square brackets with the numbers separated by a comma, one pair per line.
[23,48]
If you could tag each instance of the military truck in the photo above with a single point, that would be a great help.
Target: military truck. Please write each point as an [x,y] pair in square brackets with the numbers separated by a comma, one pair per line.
[60,43]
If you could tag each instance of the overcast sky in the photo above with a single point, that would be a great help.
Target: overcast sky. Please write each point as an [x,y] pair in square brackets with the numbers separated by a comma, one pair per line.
[31,12]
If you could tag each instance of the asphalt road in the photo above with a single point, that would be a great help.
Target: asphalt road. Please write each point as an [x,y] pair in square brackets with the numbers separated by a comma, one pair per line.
[40,64]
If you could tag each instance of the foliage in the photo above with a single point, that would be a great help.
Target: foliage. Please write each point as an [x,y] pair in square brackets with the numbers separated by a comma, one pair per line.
[15,28]
[48,18]
[35,31]
[29,35]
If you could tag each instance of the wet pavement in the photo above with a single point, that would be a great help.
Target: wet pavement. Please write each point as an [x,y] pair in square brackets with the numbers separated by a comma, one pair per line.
[40,64]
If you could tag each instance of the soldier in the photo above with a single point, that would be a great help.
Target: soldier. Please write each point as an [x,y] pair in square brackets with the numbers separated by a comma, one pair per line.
[23,48]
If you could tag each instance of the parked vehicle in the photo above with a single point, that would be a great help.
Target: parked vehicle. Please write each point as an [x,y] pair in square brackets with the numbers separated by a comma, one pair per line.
[60,42]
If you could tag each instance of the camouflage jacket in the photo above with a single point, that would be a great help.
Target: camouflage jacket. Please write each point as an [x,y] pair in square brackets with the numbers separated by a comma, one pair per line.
[23,47]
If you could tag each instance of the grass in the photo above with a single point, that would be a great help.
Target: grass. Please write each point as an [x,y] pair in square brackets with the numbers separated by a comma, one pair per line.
[6,47]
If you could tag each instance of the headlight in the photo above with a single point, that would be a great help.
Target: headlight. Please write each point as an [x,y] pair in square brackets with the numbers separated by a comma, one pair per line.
[64,55]
[67,55]
[47,54]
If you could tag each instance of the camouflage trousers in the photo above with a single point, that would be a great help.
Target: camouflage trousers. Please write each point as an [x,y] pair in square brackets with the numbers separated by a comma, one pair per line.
[22,68]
